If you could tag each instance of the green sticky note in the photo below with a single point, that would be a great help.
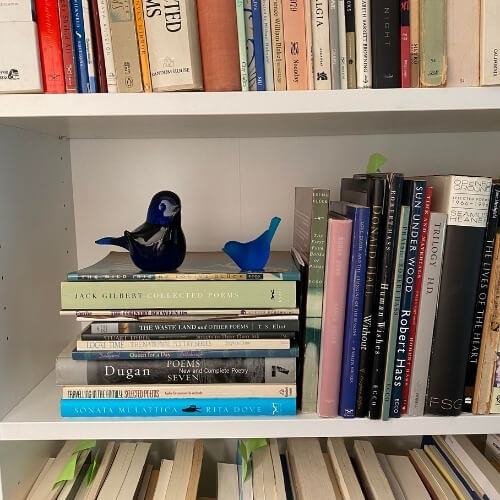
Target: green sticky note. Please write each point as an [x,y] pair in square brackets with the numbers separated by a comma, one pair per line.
[85,445]
[375,161]
[246,449]
[93,468]
[68,472]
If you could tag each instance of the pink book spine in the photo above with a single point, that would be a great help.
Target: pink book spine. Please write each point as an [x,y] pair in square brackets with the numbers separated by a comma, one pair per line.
[334,298]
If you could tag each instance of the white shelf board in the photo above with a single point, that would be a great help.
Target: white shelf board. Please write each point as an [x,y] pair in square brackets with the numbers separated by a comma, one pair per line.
[255,114]
[37,418]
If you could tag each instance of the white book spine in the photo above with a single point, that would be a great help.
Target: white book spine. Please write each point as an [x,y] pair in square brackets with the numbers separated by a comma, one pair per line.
[321,46]
[252,74]
[427,314]
[363,44]
[342,45]
[268,45]
[242,42]
[490,42]
[90,46]
[109,61]
[333,18]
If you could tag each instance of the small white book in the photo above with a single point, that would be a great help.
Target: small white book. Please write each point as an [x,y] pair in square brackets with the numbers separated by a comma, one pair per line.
[116,476]
[320,22]
[39,478]
[278,470]
[71,487]
[134,473]
[227,482]
[163,479]
[407,477]
[490,42]
[389,474]
[363,44]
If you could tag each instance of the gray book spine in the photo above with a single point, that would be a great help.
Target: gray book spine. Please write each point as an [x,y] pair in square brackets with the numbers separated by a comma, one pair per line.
[334,44]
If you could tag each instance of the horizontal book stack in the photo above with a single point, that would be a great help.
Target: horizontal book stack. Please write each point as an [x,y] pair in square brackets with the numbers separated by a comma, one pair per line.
[411,304]
[90,46]
[207,339]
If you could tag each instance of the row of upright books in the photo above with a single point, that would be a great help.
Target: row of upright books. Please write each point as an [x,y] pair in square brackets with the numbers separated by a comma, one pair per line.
[90,46]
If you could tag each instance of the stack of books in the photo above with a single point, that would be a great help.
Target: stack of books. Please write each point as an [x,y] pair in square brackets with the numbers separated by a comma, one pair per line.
[207,339]
[90,46]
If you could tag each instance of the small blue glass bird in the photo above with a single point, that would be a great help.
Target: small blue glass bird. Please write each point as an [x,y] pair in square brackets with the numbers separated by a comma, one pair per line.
[253,255]
[158,244]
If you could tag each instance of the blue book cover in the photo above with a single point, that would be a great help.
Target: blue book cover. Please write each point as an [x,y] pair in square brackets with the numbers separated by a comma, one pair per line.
[231,407]
[414,197]
[293,352]
[258,45]
[81,66]
[354,305]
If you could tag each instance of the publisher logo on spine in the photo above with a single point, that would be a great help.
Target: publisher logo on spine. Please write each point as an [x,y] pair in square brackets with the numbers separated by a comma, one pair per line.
[9,74]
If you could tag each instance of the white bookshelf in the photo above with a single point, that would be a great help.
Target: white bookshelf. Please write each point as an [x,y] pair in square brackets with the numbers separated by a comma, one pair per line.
[77,167]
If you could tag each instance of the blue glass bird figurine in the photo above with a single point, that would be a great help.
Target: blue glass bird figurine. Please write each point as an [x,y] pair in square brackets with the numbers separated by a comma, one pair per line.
[158,244]
[253,255]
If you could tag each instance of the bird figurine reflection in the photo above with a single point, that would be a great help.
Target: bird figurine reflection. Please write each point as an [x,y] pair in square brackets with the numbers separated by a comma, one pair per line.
[158,244]
[253,255]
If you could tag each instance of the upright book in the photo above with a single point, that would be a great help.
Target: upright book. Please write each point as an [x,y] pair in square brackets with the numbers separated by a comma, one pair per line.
[321,46]
[100,64]
[67,46]
[107,46]
[278,45]
[363,44]
[414,43]
[333,17]
[142,44]
[258,45]
[490,43]
[82,70]
[250,47]
[265,9]
[405,44]
[350,40]
[465,200]
[242,44]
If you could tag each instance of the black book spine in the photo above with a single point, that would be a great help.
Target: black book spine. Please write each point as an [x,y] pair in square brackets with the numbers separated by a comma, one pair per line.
[386,46]
[466,201]
[384,292]
[481,297]
[187,336]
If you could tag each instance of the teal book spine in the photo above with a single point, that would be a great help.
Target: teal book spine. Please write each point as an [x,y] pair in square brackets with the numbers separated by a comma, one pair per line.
[395,308]
[237,407]
[242,44]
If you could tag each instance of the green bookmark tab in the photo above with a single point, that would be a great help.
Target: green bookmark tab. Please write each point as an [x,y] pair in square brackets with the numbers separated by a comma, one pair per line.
[375,161]
[93,468]
[246,449]
[68,471]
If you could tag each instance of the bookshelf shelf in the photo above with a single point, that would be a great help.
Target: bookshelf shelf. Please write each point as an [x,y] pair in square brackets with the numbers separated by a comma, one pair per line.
[37,418]
[255,114]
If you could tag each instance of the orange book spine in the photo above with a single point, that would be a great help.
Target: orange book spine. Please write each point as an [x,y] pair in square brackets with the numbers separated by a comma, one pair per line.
[295,45]
[143,46]
[219,45]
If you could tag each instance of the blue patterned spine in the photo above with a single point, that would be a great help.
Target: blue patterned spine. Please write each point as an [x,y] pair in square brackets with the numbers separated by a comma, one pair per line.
[258,45]
[80,46]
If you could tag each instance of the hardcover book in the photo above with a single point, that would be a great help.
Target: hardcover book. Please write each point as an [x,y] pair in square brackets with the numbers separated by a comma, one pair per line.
[490,42]
[67,46]
[174,45]
[82,69]
[465,200]
[321,46]
[278,45]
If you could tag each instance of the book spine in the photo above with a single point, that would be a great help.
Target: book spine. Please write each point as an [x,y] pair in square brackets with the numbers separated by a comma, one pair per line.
[486,374]
[109,62]
[49,40]
[405,44]
[242,45]
[164,391]
[124,44]
[100,63]
[184,354]
[415,196]
[386,57]
[463,35]
[90,47]
[188,336]
[384,291]
[142,44]
[350,38]
[369,303]
[363,44]
[417,294]
[395,308]
[342,45]
[277,39]
[465,200]
[490,43]
[190,327]
[215,294]
[219,45]
[181,344]
[309,44]
[249,30]
[176,371]
[274,407]
[321,46]
[427,313]
[415,43]
[334,300]
[354,314]
[80,47]
[67,47]
[258,45]
[495,390]
[295,44]
[481,296]
[333,17]
[433,66]
[265,9]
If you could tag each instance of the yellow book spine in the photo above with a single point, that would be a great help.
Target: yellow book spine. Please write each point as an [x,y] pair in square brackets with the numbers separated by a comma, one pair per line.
[143,46]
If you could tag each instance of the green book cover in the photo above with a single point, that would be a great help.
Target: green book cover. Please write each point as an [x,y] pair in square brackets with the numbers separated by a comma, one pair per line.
[118,266]
[395,306]
[242,44]
[81,295]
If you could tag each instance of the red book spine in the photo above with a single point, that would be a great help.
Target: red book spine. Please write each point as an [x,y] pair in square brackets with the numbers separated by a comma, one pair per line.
[67,46]
[416,296]
[49,38]
[405,44]
[100,66]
